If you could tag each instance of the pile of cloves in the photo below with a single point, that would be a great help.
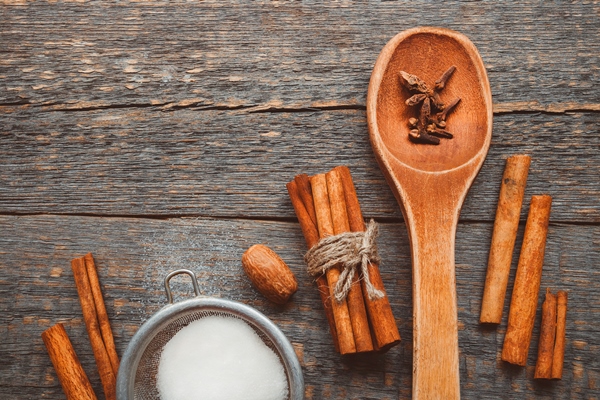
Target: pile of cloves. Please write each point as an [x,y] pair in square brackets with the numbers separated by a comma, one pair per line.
[431,124]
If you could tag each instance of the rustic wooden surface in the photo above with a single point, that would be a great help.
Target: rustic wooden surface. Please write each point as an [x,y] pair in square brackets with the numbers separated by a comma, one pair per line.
[161,135]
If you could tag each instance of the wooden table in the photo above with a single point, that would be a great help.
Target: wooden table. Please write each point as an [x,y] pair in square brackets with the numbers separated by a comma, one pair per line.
[161,135]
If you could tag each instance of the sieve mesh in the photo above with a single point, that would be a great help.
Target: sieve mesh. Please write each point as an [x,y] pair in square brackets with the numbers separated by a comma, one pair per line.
[139,366]
[147,368]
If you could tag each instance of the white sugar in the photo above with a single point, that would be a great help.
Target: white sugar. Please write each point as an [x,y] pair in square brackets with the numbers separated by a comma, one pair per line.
[220,358]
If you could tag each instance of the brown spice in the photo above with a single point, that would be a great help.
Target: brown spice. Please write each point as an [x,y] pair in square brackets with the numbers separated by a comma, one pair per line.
[506,225]
[356,304]
[382,321]
[305,192]
[341,312]
[308,225]
[429,127]
[543,366]
[524,299]
[308,220]
[105,330]
[71,375]
[561,327]
[90,316]
[269,273]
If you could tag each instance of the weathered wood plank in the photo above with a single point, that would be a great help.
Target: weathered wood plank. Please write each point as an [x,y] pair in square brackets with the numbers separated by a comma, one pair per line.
[289,55]
[224,163]
[133,255]
[152,86]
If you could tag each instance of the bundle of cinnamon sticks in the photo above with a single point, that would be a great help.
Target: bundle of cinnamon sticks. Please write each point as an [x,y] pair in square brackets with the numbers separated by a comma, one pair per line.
[73,380]
[326,205]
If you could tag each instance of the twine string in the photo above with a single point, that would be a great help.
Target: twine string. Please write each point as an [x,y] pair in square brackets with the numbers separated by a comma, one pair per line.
[349,251]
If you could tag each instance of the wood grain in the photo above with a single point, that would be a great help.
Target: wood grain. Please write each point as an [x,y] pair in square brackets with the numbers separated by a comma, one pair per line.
[279,55]
[221,163]
[133,255]
[130,117]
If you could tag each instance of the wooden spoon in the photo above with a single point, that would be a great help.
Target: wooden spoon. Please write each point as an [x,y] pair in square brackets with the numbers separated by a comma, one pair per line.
[430,183]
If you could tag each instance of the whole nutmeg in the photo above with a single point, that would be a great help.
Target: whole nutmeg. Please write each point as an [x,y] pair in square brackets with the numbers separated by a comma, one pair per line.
[269,274]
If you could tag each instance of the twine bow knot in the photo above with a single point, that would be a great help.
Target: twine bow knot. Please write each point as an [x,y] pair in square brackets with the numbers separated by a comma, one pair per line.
[349,251]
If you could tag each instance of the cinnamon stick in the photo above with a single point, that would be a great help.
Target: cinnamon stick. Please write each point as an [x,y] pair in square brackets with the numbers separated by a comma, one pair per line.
[325,226]
[308,226]
[88,308]
[504,235]
[71,375]
[524,299]
[383,323]
[308,221]
[558,355]
[543,367]
[305,192]
[355,300]
[105,331]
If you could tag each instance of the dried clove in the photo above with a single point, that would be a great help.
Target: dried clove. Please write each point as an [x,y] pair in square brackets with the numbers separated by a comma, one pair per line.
[440,83]
[440,117]
[431,124]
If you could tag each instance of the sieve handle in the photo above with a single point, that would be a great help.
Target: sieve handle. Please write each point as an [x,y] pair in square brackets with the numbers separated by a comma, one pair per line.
[178,272]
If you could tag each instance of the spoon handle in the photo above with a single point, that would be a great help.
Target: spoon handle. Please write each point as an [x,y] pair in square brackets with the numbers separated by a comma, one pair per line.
[432,230]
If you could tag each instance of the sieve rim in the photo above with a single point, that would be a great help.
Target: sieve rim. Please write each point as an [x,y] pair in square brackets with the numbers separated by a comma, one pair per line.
[145,334]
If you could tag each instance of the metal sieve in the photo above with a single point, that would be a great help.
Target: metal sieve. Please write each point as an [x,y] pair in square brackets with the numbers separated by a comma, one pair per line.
[136,378]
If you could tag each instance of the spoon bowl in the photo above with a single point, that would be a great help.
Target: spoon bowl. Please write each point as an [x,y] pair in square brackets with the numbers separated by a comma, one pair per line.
[430,183]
